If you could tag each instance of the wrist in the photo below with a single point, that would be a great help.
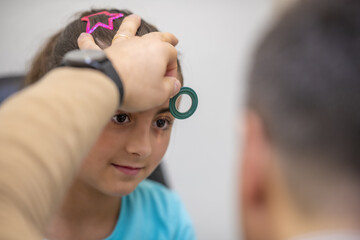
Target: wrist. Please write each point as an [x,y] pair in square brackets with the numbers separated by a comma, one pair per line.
[88,86]
[97,60]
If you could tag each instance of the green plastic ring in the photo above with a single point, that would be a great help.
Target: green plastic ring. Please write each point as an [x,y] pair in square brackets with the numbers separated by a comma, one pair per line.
[194,99]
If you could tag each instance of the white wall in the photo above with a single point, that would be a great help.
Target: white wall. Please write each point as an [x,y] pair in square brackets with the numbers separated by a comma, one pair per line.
[216,38]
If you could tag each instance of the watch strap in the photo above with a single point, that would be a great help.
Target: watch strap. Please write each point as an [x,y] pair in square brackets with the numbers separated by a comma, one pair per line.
[109,70]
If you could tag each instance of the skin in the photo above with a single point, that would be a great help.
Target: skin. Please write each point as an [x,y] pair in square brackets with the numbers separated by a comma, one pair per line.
[91,207]
[25,212]
[129,140]
[255,160]
[268,208]
[128,150]
[157,80]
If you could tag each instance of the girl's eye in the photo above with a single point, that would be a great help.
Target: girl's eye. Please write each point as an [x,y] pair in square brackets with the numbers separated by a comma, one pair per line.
[120,118]
[162,123]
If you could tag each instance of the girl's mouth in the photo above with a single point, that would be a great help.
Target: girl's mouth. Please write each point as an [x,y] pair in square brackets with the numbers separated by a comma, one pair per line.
[127,170]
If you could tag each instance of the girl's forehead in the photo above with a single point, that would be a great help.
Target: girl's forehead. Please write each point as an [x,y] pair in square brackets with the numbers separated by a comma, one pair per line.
[164,108]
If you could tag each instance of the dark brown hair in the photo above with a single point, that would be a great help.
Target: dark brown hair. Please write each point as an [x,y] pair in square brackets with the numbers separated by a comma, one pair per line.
[66,40]
[305,85]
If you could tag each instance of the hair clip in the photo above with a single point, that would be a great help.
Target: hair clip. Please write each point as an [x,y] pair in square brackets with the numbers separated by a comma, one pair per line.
[110,25]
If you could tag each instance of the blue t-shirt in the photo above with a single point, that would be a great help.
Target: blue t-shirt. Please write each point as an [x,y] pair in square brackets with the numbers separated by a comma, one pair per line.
[152,212]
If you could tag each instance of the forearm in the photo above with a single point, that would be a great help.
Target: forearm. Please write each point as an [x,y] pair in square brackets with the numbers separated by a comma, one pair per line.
[45,131]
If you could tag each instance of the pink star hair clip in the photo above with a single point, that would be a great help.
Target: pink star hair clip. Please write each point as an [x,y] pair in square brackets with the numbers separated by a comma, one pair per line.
[110,25]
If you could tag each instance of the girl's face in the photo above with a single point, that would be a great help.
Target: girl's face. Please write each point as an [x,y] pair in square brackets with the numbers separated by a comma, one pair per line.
[128,150]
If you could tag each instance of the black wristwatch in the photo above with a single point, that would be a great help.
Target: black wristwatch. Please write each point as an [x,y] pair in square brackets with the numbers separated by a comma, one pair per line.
[95,59]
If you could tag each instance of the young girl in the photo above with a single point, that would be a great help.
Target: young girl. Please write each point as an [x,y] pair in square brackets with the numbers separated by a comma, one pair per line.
[109,199]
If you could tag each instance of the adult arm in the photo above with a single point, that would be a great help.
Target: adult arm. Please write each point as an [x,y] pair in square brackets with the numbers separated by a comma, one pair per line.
[45,131]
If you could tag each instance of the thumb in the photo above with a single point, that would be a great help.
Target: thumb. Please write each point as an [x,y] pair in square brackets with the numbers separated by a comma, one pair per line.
[86,41]
[172,86]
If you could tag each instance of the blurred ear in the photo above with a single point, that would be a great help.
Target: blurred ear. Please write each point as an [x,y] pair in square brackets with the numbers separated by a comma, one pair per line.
[255,167]
[255,158]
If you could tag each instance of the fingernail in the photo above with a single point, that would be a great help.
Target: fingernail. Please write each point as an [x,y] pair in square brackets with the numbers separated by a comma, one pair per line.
[83,35]
[177,86]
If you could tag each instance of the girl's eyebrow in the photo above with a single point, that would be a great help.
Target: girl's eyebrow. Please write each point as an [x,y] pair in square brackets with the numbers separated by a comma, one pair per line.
[164,110]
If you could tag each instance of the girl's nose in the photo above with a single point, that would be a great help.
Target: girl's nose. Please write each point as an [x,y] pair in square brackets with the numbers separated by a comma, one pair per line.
[139,143]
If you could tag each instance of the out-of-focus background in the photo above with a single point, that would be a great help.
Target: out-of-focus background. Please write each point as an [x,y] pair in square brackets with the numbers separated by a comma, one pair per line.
[216,42]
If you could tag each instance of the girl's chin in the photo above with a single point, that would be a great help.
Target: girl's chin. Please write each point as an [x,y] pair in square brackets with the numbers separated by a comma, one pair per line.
[123,191]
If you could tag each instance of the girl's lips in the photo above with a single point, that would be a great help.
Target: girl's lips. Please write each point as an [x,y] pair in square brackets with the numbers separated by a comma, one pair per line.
[127,170]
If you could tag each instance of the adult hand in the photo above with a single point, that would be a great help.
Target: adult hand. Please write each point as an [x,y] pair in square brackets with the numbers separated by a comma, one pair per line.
[147,65]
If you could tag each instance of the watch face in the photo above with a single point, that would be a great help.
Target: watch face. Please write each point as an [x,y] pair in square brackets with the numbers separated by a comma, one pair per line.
[84,56]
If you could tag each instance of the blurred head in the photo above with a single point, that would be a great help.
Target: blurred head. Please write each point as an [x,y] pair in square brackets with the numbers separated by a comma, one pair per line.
[132,144]
[302,157]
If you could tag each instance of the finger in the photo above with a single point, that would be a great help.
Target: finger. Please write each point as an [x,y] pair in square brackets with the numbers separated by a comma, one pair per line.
[171,57]
[172,86]
[163,36]
[86,41]
[171,70]
[128,28]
